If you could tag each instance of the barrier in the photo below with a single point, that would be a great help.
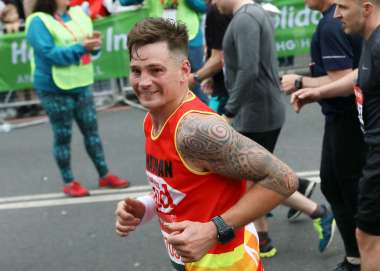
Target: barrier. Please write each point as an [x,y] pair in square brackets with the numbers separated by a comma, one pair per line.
[294,27]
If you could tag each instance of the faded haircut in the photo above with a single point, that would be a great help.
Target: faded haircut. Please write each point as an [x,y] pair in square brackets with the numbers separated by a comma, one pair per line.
[154,30]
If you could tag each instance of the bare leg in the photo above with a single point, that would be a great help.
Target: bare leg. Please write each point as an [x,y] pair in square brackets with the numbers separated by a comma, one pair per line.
[369,247]
[300,202]
[261,224]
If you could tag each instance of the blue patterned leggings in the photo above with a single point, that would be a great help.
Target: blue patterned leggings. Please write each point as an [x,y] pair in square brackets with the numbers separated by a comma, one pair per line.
[62,109]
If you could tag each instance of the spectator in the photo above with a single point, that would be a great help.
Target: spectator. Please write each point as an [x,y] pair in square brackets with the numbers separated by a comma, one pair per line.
[255,105]
[190,12]
[10,17]
[62,39]
[335,54]
[211,72]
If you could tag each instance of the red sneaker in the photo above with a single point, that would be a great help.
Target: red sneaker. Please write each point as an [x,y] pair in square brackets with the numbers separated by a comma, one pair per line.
[113,181]
[75,189]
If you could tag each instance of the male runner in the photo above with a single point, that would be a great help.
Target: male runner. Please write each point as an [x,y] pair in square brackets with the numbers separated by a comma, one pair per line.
[196,163]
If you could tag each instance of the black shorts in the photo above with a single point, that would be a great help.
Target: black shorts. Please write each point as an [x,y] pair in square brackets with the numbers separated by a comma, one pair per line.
[266,139]
[368,216]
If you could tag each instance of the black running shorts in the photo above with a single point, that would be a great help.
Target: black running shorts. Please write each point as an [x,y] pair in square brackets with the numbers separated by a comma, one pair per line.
[368,216]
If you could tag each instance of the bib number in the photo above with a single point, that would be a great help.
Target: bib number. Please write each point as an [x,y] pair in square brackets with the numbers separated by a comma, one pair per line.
[359,105]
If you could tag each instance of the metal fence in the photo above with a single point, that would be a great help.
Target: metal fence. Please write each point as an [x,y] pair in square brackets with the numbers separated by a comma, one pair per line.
[107,93]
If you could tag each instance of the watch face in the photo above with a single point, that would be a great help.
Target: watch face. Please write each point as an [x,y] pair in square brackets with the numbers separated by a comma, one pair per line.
[225,232]
[226,235]
[298,84]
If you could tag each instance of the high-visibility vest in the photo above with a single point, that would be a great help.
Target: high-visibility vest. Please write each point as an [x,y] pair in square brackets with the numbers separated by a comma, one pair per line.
[156,8]
[188,16]
[65,34]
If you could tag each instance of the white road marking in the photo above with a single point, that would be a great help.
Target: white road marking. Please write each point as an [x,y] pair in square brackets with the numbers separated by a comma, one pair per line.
[100,195]
[62,195]
[315,179]
[308,173]
[67,201]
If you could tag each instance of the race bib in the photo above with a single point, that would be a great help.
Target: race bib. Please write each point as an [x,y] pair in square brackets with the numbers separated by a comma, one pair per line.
[174,257]
[165,196]
[359,105]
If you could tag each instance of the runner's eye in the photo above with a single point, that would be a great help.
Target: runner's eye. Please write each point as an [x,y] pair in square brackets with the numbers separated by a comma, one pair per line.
[136,72]
[156,71]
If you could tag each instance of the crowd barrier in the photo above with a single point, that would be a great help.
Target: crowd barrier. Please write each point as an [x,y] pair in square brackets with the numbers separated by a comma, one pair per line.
[294,27]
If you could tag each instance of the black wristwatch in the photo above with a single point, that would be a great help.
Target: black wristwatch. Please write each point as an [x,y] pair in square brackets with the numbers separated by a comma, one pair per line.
[298,83]
[225,232]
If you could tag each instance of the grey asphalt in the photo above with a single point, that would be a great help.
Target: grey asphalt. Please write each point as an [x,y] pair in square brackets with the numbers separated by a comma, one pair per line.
[81,237]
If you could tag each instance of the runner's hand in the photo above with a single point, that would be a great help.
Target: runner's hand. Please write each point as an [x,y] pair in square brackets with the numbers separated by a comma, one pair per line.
[129,213]
[288,83]
[304,96]
[192,240]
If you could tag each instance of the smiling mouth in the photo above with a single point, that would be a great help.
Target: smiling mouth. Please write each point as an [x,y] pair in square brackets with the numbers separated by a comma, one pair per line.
[150,93]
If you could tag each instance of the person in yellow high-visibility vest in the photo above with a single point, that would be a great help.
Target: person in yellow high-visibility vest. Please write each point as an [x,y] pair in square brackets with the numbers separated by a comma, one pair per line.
[156,7]
[62,40]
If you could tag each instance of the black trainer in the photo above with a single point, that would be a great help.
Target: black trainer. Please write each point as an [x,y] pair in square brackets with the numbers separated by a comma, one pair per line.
[306,188]
[346,266]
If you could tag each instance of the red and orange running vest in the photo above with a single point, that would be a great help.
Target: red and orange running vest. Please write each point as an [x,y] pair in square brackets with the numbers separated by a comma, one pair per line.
[182,193]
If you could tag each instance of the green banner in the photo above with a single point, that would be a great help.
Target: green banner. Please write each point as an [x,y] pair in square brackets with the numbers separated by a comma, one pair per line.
[111,62]
[294,27]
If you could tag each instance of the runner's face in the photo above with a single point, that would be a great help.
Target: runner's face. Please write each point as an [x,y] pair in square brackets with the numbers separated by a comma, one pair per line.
[158,76]
[350,13]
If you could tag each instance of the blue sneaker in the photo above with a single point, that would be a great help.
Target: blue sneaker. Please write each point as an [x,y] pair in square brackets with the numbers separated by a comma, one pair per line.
[267,250]
[325,227]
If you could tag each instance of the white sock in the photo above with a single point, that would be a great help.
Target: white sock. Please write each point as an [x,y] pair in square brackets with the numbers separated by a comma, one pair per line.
[353,260]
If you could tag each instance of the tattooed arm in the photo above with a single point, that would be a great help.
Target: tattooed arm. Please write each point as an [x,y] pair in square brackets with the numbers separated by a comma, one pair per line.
[207,143]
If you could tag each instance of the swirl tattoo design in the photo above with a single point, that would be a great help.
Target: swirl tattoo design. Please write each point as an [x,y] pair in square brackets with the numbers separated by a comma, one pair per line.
[208,143]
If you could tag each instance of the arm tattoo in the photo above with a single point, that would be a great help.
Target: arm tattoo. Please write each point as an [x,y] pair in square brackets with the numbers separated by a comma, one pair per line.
[207,142]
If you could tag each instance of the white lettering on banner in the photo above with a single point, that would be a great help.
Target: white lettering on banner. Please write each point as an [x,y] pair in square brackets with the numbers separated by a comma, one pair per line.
[289,17]
[20,52]
[109,39]
[115,42]
[120,42]
[305,43]
[286,45]
[165,196]
[24,78]
[98,70]
[289,45]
